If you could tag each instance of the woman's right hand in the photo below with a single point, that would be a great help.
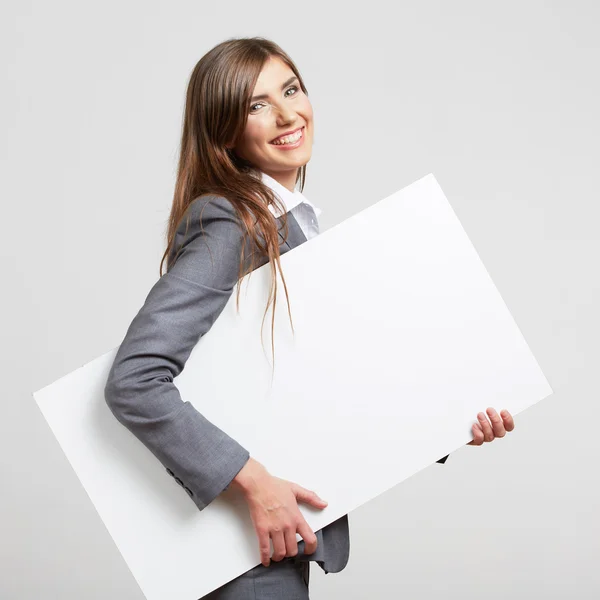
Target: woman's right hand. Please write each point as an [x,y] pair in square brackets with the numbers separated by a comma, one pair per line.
[273,505]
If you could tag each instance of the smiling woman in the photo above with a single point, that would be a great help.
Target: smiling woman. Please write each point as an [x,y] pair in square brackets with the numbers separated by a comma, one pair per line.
[246,140]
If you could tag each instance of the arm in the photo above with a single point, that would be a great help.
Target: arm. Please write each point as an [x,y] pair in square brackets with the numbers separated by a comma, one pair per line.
[180,308]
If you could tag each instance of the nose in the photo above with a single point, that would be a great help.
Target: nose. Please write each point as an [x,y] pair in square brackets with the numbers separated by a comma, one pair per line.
[286,115]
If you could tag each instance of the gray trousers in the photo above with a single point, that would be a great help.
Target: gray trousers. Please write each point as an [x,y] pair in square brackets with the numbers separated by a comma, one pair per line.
[283,580]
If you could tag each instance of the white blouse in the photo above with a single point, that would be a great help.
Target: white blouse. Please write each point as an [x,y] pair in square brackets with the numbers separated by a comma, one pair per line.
[305,212]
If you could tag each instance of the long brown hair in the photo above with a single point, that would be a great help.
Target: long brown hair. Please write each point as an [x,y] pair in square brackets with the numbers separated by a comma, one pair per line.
[215,116]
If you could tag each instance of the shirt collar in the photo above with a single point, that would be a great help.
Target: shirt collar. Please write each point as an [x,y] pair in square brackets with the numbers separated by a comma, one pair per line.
[289,199]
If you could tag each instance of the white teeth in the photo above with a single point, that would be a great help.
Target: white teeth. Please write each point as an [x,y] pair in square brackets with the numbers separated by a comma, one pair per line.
[290,139]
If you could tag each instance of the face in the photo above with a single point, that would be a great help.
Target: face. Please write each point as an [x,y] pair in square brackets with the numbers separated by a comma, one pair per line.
[284,108]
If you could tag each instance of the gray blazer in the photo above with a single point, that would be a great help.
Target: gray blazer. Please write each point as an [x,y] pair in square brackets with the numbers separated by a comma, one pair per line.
[179,309]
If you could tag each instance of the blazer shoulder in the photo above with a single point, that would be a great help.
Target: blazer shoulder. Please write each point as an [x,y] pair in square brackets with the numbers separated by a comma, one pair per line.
[210,206]
[209,219]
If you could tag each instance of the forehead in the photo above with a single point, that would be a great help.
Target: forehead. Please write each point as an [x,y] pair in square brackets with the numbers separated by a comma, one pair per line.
[272,75]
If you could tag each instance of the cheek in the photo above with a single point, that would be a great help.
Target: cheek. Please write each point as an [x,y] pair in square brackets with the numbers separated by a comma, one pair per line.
[306,109]
[256,134]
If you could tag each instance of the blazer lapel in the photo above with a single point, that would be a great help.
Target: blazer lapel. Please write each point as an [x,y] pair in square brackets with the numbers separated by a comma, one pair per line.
[295,238]
[295,234]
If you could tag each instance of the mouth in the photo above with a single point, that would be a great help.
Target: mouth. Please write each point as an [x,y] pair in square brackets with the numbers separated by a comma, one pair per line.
[292,138]
[292,141]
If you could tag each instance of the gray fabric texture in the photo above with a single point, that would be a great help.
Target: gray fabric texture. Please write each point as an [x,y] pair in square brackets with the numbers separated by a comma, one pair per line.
[284,580]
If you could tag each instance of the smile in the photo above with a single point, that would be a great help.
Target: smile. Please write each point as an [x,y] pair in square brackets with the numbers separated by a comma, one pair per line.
[289,141]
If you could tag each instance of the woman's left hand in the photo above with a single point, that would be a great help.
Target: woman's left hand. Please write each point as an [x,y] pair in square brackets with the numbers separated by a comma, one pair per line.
[484,432]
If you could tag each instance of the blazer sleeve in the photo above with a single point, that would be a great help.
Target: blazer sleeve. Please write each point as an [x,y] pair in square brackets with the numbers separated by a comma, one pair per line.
[179,309]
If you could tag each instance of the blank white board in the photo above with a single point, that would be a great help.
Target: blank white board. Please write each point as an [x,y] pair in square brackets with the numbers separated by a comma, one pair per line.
[400,339]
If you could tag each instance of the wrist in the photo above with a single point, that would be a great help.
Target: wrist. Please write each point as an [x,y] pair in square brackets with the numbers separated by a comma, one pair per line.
[247,480]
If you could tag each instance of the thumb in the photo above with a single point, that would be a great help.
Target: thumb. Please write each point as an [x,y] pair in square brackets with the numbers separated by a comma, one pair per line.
[308,496]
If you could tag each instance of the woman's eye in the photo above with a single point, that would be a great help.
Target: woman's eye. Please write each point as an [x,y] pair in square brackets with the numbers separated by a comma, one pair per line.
[295,88]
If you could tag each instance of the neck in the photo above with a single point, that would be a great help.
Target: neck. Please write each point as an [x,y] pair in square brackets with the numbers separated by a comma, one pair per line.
[286,178]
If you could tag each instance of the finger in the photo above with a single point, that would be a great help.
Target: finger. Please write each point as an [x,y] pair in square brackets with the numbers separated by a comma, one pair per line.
[278,545]
[308,535]
[264,545]
[488,434]
[308,496]
[291,545]
[477,435]
[497,423]
[509,423]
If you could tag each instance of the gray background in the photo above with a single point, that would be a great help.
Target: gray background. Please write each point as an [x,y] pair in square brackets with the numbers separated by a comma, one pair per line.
[499,100]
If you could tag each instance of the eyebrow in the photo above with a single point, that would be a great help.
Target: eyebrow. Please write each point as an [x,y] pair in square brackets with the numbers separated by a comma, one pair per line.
[265,96]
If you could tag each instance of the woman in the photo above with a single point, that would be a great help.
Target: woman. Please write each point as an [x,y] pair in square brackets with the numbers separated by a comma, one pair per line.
[247,137]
